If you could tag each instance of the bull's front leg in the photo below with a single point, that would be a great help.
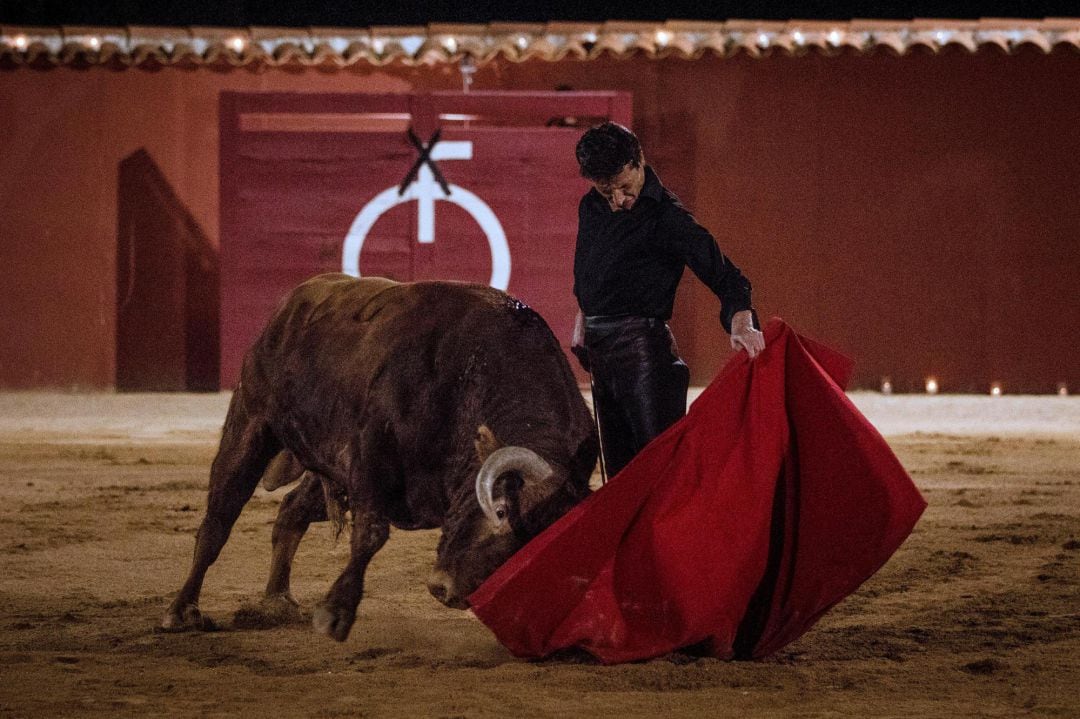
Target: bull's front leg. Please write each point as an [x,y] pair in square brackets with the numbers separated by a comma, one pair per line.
[334,617]
[247,446]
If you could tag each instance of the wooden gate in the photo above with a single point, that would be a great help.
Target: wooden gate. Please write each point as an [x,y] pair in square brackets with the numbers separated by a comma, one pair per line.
[312,183]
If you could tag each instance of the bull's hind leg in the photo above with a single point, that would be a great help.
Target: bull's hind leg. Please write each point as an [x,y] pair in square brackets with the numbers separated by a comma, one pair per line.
[247,446]
[301,507]
[334,617]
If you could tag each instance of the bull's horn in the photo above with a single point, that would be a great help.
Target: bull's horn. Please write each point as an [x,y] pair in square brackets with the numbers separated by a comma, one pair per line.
[521,459]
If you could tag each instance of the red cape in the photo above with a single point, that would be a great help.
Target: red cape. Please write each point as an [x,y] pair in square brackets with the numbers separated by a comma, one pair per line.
[734,530]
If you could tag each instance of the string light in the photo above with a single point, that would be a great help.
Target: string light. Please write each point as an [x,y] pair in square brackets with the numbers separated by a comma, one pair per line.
[94,43]
[834,37]
[450,44]
[237,44]
[663,37]
[468,70]
[762,40]
[21,42]
[1062,389]
[798,37]
[995,389]
[886,385]
[378,46]
[931,385]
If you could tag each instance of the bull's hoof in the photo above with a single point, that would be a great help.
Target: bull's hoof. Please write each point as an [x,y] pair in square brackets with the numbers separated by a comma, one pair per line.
[185,619]
[334,623]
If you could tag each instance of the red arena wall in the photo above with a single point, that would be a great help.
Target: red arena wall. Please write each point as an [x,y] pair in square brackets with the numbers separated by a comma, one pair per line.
[915,210]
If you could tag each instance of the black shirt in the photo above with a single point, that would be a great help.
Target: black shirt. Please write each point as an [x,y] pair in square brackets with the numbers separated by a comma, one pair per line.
[630,262]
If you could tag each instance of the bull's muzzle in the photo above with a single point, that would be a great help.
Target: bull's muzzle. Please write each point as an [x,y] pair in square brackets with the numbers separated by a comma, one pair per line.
[441,586]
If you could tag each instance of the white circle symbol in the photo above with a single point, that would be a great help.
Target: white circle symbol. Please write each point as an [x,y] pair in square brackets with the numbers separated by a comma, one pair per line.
[426,191]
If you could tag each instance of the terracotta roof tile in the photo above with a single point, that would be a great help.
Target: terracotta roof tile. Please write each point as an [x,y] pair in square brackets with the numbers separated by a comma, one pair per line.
[452,43]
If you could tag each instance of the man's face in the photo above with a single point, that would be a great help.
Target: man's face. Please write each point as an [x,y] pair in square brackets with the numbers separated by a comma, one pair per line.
[622,190]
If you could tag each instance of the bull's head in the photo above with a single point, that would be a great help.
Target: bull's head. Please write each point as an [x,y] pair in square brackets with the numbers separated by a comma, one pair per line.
[517,494]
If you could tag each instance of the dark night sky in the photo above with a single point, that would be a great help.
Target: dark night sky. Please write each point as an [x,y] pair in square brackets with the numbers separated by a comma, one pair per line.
[360,13]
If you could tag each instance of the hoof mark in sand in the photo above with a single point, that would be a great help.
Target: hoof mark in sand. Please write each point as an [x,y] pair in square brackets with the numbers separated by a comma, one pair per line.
[267,615]
[984,667]
[1010,538]
[372,653]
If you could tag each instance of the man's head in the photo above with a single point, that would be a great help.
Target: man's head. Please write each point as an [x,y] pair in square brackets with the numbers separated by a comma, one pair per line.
[610,158]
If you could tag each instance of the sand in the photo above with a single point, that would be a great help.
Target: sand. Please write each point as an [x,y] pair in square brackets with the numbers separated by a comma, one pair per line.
[977,615]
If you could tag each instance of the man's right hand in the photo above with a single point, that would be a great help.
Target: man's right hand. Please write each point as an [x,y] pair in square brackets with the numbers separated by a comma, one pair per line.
[577,342]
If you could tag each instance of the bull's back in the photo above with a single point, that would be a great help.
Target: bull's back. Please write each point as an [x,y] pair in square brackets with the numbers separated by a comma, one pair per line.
[363,299]
[341,327]
[330,295]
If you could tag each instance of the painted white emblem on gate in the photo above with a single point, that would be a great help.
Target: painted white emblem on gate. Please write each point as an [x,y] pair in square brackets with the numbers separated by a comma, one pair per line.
[425,191]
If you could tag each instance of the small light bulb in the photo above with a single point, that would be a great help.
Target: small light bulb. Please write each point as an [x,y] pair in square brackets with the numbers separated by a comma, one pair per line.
[378,46]
[589,37]
[237,44]
[886,385]
[522,42]
[931,385]
[21,42]
[94,43]
[762,40]
[798,37]
[834,38]
[1062,389]
[663,37]
[995,389]
[450,44]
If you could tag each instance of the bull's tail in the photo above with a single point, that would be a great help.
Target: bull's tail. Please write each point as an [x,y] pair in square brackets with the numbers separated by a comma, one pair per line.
[283,469]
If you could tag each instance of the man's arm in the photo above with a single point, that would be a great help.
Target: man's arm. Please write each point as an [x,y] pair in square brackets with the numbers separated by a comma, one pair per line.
[702,255]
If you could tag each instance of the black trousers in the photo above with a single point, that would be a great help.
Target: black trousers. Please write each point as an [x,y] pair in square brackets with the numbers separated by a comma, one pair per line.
[639,383]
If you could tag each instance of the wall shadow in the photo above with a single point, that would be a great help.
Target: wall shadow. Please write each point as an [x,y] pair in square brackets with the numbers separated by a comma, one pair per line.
[167,287]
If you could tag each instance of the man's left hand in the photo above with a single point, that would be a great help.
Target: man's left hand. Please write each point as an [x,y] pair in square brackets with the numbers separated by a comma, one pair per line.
[744,336]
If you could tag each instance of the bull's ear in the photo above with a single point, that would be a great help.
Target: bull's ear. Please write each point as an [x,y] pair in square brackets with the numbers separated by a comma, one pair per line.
[485,443]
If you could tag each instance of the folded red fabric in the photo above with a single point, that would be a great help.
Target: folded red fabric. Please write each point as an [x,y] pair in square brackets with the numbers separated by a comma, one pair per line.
[732,532]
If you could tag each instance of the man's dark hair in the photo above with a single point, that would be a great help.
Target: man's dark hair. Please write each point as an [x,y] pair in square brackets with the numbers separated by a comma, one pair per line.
[603,151]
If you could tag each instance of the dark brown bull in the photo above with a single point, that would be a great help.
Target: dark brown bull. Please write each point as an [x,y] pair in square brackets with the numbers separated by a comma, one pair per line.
[423,405]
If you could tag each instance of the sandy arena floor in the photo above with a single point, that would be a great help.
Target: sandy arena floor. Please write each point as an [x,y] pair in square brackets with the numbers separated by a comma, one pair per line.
[977,615]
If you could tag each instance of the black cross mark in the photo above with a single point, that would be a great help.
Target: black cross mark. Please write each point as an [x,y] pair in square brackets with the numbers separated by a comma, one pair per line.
[423,159]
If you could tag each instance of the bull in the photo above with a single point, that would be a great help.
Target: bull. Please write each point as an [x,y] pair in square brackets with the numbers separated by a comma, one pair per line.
[416,405]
